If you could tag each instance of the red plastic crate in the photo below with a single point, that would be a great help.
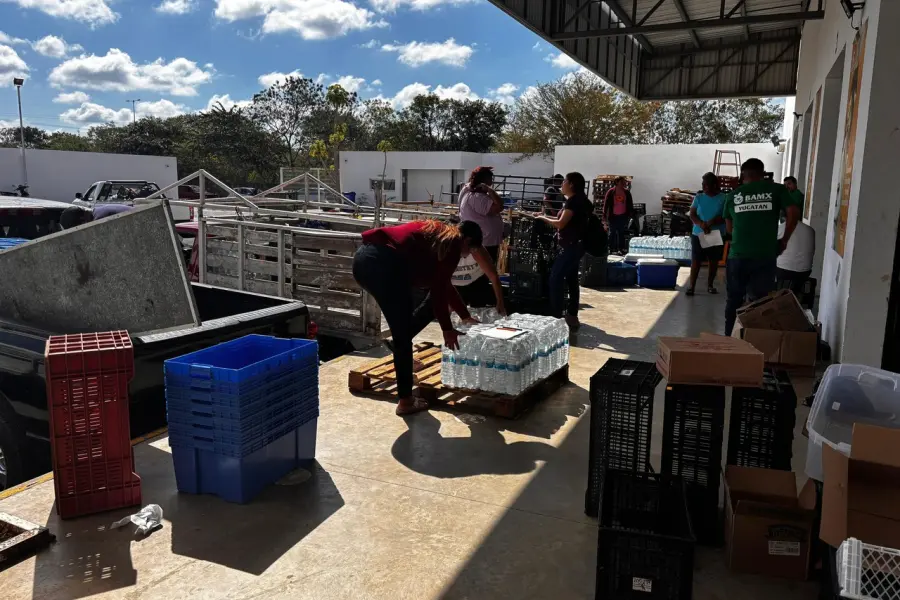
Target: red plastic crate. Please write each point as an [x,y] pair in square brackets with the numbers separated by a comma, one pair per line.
[84,353]
[87,394]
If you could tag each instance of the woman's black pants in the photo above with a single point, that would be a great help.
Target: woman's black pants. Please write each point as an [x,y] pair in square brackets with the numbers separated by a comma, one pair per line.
[382,272]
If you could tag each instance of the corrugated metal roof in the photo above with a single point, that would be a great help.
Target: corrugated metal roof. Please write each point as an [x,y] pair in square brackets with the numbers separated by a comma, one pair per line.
[718,58]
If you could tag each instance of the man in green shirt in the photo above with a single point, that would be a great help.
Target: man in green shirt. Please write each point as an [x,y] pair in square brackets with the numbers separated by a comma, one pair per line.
[790,182]
[752,213]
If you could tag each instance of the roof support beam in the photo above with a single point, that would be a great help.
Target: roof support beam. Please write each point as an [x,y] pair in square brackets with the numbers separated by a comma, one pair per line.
[769,65]
[679,6]
[714,72]
[616,9]
[701,24]
[743,44]
[650,12]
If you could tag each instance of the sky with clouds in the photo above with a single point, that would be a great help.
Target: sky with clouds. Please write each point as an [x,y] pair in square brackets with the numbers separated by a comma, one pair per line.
[85,60]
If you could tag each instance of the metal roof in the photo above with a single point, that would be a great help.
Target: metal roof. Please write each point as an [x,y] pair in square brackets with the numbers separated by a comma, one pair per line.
[678,49]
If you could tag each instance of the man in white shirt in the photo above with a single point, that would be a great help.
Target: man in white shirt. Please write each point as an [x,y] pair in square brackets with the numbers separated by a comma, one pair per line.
[794,265]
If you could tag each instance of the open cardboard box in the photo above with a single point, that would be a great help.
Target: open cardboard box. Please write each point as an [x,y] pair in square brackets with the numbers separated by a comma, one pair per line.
[709,360]
[767,531]
[779,328]
[861,492]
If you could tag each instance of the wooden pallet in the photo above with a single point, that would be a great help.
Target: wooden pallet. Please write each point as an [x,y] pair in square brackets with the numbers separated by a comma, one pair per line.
[378,379]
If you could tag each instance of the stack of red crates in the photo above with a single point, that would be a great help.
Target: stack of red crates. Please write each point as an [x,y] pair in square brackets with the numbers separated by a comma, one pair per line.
[87,393]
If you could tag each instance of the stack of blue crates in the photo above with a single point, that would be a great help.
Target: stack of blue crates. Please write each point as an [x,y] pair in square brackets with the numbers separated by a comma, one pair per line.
[7,243]
[242,414]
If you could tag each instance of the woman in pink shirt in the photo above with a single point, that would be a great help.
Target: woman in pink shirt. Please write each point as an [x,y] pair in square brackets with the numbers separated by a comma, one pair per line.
[618,208]
[479,202]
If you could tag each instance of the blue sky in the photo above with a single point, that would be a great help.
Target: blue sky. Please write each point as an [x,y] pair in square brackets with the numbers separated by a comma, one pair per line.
[84,59]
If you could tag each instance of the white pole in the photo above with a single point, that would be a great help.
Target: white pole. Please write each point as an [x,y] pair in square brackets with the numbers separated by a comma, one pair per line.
[22,136]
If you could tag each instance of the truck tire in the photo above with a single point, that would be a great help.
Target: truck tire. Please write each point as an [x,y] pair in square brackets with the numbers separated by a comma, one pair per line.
[11,452]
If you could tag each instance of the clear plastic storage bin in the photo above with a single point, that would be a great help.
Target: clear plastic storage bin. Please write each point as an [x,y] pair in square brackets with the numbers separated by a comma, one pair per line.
[849,394]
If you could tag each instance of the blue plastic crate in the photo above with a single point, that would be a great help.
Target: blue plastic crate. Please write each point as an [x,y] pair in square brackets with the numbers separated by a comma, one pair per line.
[207,416]
[243,364]
[234,479]
[657,276]
[620,274]
[238,405]
[7,243]
[240,439]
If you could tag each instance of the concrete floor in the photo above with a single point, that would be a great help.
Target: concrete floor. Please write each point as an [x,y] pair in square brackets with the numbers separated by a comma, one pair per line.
[434,506]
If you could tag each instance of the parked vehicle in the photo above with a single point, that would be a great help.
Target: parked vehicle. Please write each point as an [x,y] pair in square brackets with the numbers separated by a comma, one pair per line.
[128,192]
[247,191]
[29,218]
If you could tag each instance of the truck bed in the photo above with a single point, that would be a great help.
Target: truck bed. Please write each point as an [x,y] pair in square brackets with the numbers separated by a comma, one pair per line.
[225,314]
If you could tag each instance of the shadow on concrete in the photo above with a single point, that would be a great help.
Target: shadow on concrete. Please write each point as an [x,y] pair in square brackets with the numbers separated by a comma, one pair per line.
[251,539]
[89,556]
[422,448]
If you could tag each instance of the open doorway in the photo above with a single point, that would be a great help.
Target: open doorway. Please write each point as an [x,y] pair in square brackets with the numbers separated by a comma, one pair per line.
[890,356]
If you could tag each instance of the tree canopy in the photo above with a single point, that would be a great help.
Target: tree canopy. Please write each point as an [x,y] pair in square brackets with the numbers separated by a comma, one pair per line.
[300,123]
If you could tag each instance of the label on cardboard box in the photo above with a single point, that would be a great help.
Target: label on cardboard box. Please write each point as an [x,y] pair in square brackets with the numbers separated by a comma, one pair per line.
[779,548]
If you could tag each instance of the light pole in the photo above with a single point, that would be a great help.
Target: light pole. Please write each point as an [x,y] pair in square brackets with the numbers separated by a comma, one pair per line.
[19,82]
[133,109]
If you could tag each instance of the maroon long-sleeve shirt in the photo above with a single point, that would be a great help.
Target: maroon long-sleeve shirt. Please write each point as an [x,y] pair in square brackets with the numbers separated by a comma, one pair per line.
[424,266]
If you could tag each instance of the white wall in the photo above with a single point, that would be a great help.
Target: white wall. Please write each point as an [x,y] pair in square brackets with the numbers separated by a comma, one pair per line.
[358,167]
[421,184]
[854,316]
[57,175]
[658,168]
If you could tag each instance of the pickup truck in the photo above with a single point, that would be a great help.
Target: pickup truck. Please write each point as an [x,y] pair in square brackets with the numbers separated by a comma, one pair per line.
[129,192]
[24,420]
[29,218]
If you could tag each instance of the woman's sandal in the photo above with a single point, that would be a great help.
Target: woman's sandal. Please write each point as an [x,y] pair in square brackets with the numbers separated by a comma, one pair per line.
[418,405]
[712,290]
[689,292]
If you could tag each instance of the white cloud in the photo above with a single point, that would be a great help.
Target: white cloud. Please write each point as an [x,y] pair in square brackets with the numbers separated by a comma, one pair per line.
[94,12]
[54,47]
[393,5]
[226,102]
[537,45]
[72,98]
[505,94]
[562,61]
[310,19]
[12,41]
[176,7]
[416,54]
[376,82]
[116,72]
[370,44]
[90,113]
[348,82]
[403,98]
[11,65]
[270,79]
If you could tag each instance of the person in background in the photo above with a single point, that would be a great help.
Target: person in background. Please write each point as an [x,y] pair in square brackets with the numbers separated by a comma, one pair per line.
[571,223]
[76,215]
[422,254]
[618,208]
[706,214]
[790,182]
[553,199]
[752,213]
[478,202]
[794,265]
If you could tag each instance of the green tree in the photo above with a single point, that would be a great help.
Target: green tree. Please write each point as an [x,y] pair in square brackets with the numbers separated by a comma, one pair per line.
[746,120]
[61,140]
[474,125]
[35,137]
[286,110]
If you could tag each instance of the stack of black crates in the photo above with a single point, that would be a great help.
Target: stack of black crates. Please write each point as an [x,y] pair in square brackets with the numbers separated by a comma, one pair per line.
[760,434]
[646,542]
[532,249]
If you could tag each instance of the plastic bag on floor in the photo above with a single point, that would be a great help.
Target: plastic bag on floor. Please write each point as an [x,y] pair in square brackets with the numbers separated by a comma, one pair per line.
[148,519]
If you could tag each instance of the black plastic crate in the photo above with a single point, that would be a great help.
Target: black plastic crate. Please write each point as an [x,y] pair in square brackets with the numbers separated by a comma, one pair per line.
[593,271]
[526,232]
[640,209]
[621,421]
[761,427]
[525,260]
[693,428]
[529,285]
[645,546]
[651,225]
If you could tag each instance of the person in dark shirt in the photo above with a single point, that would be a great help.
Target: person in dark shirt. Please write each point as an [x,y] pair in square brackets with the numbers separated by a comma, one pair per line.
[572,222]
[76,215]
[422,254]
[553,199]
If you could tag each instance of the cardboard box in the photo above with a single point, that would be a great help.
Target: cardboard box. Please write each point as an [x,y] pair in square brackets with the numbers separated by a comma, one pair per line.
[778,327]
[709,360]
[860,492]
[767,532]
